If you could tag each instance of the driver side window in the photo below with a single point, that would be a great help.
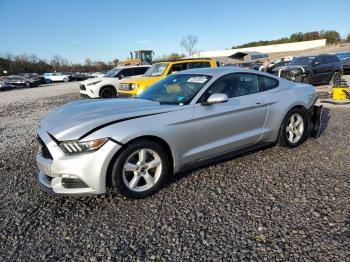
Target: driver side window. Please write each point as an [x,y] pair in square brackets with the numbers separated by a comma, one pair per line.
[234,85]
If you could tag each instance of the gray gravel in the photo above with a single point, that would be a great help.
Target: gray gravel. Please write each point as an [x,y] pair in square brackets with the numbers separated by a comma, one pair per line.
[274,204]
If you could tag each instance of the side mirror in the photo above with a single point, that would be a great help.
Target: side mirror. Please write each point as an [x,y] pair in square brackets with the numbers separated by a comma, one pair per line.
[316,63]
[216,98]
[120,76]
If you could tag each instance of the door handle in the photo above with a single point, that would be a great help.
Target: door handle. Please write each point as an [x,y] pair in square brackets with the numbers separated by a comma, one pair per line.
[259,104]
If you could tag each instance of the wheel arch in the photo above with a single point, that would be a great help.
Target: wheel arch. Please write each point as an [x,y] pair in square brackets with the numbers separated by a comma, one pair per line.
[153,138]
[107,86]
[296,106]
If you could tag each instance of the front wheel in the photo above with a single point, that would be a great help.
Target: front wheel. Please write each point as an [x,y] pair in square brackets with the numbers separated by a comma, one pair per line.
[294,128]
[65,79]
[108,92]
[305,79]
[27,85]
[140,169]
[336,78]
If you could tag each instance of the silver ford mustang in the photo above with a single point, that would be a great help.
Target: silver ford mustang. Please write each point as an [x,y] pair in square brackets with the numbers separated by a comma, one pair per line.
[184,120]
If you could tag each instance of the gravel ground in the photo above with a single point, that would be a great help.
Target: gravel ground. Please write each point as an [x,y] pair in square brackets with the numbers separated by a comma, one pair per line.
[273,204]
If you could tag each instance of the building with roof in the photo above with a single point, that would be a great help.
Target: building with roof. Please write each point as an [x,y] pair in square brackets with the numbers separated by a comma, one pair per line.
[257,52]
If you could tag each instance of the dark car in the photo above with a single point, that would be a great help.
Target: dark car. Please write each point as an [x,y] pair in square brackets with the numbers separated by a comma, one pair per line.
[78,76]
[5,86]
[319,69]
[256,65]
[34,77]
[343,55]
[346,66]
[20,81]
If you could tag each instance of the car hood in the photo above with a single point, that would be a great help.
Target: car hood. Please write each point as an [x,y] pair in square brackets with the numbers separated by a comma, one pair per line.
[292,67]
[95,79]
[73,120]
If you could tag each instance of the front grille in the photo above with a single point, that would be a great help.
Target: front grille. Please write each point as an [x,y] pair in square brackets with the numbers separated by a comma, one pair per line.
[44,150]
[82,87]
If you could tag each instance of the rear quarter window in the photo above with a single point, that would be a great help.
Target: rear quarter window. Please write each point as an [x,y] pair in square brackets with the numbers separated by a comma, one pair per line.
[267,83]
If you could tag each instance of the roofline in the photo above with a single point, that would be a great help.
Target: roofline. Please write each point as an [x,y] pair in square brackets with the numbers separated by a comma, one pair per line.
[187,59]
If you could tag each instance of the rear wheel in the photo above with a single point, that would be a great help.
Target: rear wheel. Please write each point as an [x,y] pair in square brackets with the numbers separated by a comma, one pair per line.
[108,92]
[294,128]
[27,85]
[140,169]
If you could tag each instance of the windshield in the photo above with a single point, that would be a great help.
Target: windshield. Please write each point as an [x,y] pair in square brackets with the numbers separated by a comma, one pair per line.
[156,69]
[112,73]
[175,89]
[305,60]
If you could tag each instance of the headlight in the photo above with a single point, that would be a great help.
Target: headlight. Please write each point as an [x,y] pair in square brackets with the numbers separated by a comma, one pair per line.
[127,86]
[93,83]
[76,147]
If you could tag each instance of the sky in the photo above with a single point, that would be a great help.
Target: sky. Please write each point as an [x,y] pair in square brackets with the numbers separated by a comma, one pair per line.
[109,29]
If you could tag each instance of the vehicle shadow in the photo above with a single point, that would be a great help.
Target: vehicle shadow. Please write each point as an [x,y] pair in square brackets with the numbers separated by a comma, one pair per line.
[325,120]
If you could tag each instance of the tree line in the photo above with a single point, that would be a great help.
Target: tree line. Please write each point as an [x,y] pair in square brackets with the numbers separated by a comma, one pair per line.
[16,64]
[331,36]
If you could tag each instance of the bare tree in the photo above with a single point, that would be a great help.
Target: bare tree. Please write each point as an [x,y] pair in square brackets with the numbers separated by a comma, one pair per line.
[188,43]
[33,59]
[115,61]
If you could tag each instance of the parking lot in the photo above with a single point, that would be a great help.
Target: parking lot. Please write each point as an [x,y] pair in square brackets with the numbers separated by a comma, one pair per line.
[273,204]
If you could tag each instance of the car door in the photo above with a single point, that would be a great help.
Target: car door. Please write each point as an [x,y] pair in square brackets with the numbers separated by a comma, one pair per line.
[321,69]
[54,77]
[57,77]
[237,123]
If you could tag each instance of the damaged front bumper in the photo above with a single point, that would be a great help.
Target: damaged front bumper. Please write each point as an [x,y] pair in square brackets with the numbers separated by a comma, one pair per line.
[316,120]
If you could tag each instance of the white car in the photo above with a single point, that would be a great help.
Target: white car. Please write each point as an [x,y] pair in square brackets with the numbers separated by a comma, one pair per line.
[107,85]
[97,74]
[56,77]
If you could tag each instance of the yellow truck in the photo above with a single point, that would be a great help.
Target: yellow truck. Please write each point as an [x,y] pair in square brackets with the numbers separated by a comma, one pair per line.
[135,85]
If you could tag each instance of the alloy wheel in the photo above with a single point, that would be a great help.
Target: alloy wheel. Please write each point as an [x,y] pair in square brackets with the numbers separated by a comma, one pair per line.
[295,128]
[142,169]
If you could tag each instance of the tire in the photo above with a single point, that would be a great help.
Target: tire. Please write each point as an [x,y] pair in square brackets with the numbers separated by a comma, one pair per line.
[135,180]
[292,135]
[305,79]
[336,78]
[108,92]
[65,79]
[27,85]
